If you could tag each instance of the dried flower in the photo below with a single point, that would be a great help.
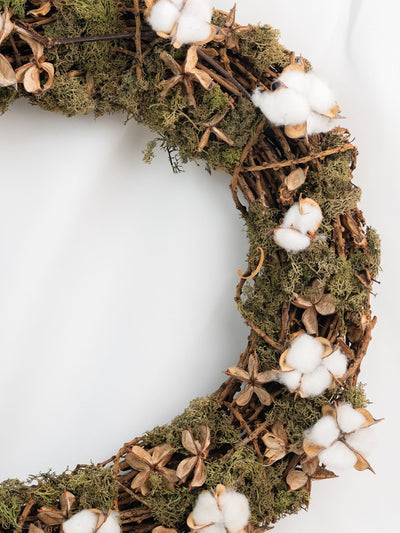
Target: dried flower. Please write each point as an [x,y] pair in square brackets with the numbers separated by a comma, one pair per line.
[43,8]
[53,517]
[276,443]
[199,450]
[147,463]
[254,381]
[310,471]
[186,74]
[211,128]
[316,302]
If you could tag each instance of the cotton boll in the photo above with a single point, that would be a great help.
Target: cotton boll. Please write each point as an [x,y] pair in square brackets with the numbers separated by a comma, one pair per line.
[323,432]
[320,96]
[305,353]
[214,528]
[163,16]
[111,525]
[82,522]
[283,108]
[318,124]
[310,217]
[291,240]
[364,440]
[192,29]
[316,382]
[206,510]
[290,379]
[336,363]
[177,3]
[296,80]
[337,456]
[348,418]
[236,510]
[201,9]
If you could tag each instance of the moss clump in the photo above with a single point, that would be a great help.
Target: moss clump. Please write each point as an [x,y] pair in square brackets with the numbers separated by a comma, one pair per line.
[74,93]
[17,6]
[261,44]
[11,503]
[7,97]
[199,412]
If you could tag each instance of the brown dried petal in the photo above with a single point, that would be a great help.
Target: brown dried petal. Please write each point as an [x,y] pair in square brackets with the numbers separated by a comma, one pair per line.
[301,302]
[191,59]
[309,466]
[7,75]
[189,442]
[282,362]
[169,477]
[327,345]
[205,437]
[278,430]
[252,366]
[245,395]
[326,306]
[203,78]
[50,516]
[295,179]
[272,441]
[171,63]
[365,277]
[275,455]
[310,448]
[162,529]
[266,377]
[263,395]
[323,473]
[6,26]
[43,9]
[162,454]
[31,80]
[327,410]
[221,135]
[67,500]
[204,140]
[199,476]
[185,467]
[238,373]
[49,69]
[34,529]
[369,419]
[141,482]
[362,463]
[190,91]
[138,458]
[168,84]
[36,47]
[310,321]
[295,132]
[296,479]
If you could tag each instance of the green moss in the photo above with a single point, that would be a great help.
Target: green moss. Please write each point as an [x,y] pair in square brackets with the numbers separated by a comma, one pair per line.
[199,412]
[17,6]
[73,91]
[7,97]
[261,44]
[11,503]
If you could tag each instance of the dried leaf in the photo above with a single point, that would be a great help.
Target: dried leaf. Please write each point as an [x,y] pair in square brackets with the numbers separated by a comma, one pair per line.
[204,140]
[50,516]
[326,305]
[296,479]
[252,366]
[168,84]
[67,500]
[205,437]
[310,321]
[327,345]
[327,410]
[7,75]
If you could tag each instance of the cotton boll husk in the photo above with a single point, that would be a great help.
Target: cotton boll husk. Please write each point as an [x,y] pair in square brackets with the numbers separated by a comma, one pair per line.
[364,440]
[290,379]
[111,525]
[305,353]
[318,124]
[236,510]
[284,107]
[305,221]
[296,80]
[192,29]
[336,363]
[291,240]
[200,9]
[315,382]
[337,456]
[320,96]
[323,432]
[163,16]
[348,418]
[82,522]
[206,510]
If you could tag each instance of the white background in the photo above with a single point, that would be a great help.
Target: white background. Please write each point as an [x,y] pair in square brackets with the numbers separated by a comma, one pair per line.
[117,278]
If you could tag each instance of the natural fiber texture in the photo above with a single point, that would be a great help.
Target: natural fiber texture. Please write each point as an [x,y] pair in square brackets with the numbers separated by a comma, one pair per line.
[129,75]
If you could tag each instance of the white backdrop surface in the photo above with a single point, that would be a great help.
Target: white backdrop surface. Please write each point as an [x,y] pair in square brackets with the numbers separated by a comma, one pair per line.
[113,272]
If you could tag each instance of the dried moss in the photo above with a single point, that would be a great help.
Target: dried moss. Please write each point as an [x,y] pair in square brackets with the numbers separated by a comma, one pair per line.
[73,91]
[7,97]
[11,503]
[17,6]
[199,411]
[261,44]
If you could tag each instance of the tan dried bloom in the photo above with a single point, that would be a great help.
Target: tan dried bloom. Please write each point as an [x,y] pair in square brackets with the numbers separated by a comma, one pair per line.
[199,450]
[254,382]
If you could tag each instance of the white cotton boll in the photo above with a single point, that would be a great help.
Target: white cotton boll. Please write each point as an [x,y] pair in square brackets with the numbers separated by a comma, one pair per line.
[305,221]
[214,528]
[192,30]
[316,382]
[337,456]
[296,80]
[111,525]
[82,522]
[318,124]
[206,510]
[320,96]
[305,353]
[177,3]
[364,440]
[283,108]
[348,418]
[336,363]
[200,9]
[323,432]
[236,510]
[290,379]
[163,16]
[291,240]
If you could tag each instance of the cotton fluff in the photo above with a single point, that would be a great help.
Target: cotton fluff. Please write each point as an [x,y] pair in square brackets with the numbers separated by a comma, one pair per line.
[304,221]
[86,522]
[164,15]
[206,510]
[337,456]
[284,107]
[364,440]
[291,240]
[191,29]
[290,379]
[236,510]
[296,80]
[319,124]
[201,9]
[323,432]
[305,353]
[320,96]
[336,363]
[315,382]
[349,419]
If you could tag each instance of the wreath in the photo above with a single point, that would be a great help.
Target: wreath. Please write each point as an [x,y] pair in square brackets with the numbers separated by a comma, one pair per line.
[291,410]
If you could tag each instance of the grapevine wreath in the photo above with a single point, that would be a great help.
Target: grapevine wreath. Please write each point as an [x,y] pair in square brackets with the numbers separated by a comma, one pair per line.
[291,410]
